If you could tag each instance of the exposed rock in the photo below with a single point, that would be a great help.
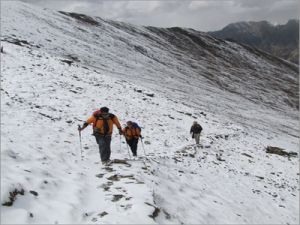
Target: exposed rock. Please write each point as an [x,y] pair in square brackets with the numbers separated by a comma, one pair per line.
[117,198]
[109,169]
[147,142]
[127,176]
[117,177]
[280,40]
[245,154]
[16,41]
[121,161]
[13,196]
[114,178]
[280,151]
[34,193]
[155,212]
[167,215]
[150,95]
[81,17]
[105,187]
[102,214]
[100,175]
[69,62]
[219,157]
[50,117]
[260,177]
[202,113]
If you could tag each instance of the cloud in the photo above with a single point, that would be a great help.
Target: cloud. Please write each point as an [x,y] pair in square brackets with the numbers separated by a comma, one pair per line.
[205,15]
[204,5]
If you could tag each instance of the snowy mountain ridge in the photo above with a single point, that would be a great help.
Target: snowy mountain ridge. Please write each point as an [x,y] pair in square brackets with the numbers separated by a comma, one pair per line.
[59,69]
[280,40]
[223,68]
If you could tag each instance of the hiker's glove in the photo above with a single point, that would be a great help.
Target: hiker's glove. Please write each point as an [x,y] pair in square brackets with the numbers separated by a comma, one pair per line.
[120,132]
[141,136]
[79,128]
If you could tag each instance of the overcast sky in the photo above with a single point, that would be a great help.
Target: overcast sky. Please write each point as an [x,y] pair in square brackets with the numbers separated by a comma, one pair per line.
[204,15]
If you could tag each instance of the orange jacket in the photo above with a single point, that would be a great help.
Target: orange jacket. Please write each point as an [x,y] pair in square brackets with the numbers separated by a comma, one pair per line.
[130,133]
[98,122]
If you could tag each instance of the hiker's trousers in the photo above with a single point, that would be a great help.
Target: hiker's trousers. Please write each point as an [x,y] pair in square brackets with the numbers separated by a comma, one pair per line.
[104,146]
[197,137]
[133,142]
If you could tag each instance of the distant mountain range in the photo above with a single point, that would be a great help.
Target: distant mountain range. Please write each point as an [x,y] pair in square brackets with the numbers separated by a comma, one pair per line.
[279,40]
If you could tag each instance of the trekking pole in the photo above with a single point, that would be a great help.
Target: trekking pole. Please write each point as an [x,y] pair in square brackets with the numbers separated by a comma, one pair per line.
[143,145]
[80,142]
[120,143]
[127,148]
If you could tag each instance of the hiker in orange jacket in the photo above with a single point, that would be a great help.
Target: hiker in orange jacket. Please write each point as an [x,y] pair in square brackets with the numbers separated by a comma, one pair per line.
[103,122]
[132,134]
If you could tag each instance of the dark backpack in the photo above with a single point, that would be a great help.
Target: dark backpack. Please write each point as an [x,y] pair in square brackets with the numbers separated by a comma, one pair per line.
[135,125]
[197,129]
[105,118]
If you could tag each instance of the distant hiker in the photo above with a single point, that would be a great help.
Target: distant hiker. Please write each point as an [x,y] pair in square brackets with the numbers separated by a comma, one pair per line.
[102,130]
[132,133]
[195,131]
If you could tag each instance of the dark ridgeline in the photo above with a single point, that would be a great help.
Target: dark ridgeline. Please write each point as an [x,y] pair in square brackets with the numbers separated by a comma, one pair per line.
[280,40]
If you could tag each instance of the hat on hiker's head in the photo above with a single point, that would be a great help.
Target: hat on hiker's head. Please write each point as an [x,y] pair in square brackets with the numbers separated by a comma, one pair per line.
[195,122]
[104,109]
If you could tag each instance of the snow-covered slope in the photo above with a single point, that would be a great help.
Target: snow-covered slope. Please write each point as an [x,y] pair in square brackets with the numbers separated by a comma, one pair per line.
[245,100]
[183,63]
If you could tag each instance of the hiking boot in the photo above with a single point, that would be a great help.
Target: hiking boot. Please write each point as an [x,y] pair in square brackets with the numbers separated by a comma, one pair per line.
[108,162]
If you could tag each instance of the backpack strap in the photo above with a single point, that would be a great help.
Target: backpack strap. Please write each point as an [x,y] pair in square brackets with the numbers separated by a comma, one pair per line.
[97,118]
[126,129]
[104,118]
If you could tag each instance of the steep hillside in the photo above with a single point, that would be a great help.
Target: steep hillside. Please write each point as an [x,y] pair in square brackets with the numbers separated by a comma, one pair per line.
[58,70]
[280,40]
[179,61]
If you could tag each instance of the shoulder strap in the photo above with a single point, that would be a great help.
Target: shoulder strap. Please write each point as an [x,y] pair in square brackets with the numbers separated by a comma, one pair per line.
[96,115]
[105,124]
[111,116]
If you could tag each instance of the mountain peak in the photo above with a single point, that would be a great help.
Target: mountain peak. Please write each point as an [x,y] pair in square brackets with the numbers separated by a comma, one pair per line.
[280,40]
